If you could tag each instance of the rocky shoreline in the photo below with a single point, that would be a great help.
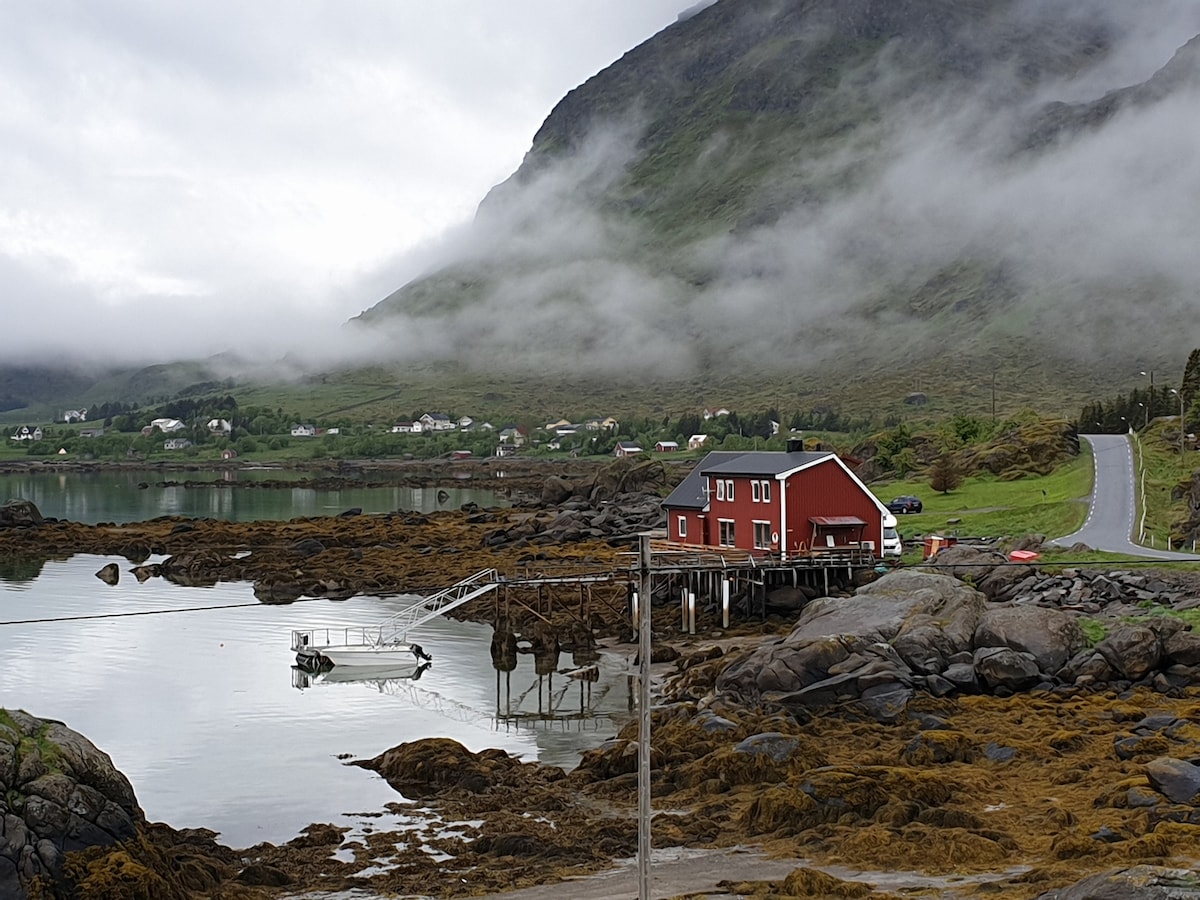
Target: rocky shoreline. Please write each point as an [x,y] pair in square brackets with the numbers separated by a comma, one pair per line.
[1022,730]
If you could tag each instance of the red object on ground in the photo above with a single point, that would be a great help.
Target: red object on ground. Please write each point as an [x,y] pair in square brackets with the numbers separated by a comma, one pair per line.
[1022,555]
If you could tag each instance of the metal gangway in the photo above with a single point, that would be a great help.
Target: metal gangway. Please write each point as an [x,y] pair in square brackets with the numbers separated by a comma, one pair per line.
[393,632]
[429,608]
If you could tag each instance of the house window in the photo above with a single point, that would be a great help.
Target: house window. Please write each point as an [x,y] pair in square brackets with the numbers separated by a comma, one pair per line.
[754,495]
[726,533]
[766,492]
[720,488]
[729,490]
[762,535]
[683,526]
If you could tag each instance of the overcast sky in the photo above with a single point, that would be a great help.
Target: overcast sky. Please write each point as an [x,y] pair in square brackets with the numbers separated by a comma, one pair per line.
[184,177]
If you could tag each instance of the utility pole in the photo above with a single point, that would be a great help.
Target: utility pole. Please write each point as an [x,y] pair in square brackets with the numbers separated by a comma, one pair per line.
[644,612]
[1149,399]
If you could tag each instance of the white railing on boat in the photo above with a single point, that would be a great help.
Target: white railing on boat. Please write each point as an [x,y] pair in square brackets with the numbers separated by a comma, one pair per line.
[395,630]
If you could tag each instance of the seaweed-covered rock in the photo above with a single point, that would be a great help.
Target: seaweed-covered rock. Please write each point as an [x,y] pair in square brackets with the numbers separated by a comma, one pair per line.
[440,765]
[1141,882]
[58,794]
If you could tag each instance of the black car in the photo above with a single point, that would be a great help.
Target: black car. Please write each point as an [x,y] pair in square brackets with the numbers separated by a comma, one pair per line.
[905,505]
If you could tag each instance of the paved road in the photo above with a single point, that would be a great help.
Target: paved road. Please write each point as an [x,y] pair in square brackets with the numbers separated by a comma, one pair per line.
[1113,510]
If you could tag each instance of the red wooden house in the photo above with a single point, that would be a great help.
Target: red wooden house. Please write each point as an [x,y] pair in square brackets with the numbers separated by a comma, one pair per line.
[770,502]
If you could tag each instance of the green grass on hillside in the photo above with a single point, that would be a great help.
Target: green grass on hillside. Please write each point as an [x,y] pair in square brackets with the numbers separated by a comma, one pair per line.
[984,506]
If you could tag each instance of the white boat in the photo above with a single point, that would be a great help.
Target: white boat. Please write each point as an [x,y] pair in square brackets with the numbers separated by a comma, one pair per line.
[353,646]
[385,643]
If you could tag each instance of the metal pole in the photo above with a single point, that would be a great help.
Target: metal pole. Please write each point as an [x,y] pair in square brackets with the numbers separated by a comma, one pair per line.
[644,843]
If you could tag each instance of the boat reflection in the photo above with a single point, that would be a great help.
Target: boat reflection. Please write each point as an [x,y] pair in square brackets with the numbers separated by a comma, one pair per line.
[378,677]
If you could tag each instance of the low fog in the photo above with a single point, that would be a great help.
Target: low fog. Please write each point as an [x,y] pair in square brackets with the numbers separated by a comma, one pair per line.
[188,179]
[1092,233]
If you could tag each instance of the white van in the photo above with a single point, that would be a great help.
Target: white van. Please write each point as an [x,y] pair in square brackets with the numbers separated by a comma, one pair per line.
[892,545]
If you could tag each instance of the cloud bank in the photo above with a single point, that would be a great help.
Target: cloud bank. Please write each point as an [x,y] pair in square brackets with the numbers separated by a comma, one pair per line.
[186,179]
[1092,234]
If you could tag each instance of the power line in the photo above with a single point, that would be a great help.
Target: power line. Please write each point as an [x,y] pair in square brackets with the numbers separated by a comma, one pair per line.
[144,612]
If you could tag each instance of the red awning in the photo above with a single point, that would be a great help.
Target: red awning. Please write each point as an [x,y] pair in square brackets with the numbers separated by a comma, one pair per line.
[837,521]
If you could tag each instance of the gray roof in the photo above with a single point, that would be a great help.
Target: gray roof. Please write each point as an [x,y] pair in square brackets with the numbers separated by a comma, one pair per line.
[762,462]
[690,492]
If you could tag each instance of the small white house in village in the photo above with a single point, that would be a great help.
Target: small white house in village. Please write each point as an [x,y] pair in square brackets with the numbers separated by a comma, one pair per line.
[219,426]
[166,426]
[304,430]
[176,444]
[626,448]
[697,441]
[514,435]
[75,415]
[407,428]
[27,433]
[437,421]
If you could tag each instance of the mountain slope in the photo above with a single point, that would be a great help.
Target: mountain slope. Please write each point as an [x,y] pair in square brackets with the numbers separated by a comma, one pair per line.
[838,189]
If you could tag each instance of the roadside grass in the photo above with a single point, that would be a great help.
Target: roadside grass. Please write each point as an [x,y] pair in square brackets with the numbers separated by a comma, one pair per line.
[1157,450]
[986,506]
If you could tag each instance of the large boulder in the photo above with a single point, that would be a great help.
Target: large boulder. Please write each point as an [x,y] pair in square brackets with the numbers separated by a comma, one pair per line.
[841,647]
[1132,649]
[1001,667]
[58,794]
[967,562]
[20,514]
[556,490]
[1051,636]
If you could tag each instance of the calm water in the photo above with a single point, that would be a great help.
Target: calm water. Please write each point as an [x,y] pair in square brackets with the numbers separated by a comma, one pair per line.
[92,497]
[202,709]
